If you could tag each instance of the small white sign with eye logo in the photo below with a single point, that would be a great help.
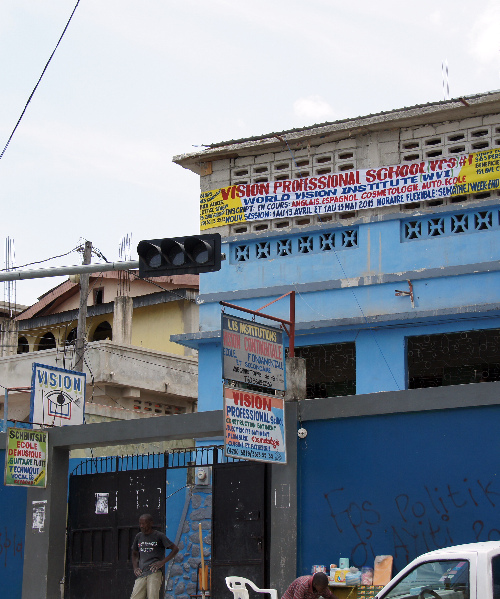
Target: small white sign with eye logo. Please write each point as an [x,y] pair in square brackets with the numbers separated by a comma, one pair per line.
[57,396]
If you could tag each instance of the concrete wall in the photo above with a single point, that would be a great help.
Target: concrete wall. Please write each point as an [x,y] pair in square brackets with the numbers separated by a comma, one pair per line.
[358,149]
[172,318]
[364,466]
[122,374]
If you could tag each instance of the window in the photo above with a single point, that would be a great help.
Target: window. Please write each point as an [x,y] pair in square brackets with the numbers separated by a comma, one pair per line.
[98,296]
[297,245]
[71,338]
[48,341]
[453,358]
[330,369]
[102,332]
[449,577]
[22,345]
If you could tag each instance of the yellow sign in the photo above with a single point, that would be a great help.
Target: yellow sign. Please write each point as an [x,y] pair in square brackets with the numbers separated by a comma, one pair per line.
[26,458]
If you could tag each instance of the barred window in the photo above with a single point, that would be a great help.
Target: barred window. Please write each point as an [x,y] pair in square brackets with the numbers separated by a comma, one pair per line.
[330,369]
[453,358]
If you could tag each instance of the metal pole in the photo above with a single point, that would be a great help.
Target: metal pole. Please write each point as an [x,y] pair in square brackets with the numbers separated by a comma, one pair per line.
[202,575]
[61,271]
[5,410]
[81,331]
[291,323]
[255,313]
[291,340]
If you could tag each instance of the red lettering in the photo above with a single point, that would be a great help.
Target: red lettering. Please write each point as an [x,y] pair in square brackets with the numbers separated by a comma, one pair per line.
[313,183]
[252,400]
[228,191]
[371,175]
[231,340]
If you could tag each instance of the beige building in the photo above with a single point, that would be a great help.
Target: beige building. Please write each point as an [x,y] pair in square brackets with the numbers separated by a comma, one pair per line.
[133,369]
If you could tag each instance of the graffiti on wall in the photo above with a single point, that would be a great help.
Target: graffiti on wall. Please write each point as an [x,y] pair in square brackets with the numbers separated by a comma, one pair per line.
[414,522]
[11,547]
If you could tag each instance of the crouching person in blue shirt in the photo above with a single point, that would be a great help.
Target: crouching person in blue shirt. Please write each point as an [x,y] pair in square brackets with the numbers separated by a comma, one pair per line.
[148,559]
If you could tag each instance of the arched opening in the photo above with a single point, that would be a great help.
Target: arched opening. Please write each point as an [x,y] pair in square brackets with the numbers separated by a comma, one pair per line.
[71,338]
[48,341]
[103,331]
[22,345]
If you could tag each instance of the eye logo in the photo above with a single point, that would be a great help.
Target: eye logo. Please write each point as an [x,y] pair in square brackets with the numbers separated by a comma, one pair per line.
[59,404]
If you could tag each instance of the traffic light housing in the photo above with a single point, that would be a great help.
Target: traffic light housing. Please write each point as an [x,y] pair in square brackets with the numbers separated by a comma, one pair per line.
[179,255]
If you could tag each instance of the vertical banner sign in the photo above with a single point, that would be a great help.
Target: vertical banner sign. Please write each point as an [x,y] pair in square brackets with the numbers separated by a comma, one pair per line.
[26,458]
[254,426]
[252,353]
[57,396]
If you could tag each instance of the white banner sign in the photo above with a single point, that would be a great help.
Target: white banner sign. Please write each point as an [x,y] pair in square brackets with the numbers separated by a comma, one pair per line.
[57,396]
[352,190]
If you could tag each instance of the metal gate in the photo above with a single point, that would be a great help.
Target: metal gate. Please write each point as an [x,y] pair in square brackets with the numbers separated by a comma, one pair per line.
[104,510]
[107,496]
[239,525]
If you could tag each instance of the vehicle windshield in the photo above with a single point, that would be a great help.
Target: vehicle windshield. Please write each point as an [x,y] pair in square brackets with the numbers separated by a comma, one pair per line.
[495,570]
[443,579]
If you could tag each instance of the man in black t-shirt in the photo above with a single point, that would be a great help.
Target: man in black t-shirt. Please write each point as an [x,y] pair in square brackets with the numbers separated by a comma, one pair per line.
[148,559]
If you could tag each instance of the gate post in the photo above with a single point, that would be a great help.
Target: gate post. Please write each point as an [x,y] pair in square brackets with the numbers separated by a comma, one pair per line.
[44,551]
[283,550]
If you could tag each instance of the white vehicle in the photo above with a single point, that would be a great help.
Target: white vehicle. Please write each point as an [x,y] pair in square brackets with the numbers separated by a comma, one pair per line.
[461,572]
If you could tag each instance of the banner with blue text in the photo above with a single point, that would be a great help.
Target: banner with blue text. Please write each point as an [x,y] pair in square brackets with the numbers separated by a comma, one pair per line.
[352,190]
[57,396]
[254,426]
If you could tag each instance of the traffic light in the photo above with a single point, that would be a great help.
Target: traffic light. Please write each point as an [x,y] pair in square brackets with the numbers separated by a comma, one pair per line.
[179,255]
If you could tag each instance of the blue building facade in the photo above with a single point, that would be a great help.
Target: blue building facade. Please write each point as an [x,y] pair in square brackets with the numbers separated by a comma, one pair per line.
[397,301]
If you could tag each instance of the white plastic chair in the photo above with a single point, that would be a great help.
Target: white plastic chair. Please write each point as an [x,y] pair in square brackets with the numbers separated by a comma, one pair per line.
[237,585]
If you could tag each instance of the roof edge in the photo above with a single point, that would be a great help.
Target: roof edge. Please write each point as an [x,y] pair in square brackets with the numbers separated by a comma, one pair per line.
[457,108]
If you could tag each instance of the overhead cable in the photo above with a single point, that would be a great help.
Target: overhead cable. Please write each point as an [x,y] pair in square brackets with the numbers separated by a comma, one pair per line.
[38,82]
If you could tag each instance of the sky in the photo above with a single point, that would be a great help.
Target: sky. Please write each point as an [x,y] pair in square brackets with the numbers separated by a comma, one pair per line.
[133,84]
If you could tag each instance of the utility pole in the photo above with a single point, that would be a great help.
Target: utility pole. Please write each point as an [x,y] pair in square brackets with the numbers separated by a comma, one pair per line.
[82,312]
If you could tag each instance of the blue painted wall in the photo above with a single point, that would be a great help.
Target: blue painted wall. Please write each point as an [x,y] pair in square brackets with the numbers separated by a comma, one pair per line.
[210,377]
[333,315]
[380,355]
[381,248]
[399,485]
[12,528]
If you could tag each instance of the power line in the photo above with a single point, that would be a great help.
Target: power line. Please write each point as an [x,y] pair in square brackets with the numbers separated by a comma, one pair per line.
[147,280]
[38,82]
[39,261]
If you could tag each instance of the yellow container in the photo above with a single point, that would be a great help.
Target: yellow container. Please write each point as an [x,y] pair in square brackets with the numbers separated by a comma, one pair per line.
[340,575]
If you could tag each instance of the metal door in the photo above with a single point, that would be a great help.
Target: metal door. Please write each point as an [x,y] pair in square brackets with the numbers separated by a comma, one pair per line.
[239,532]
[104,511]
